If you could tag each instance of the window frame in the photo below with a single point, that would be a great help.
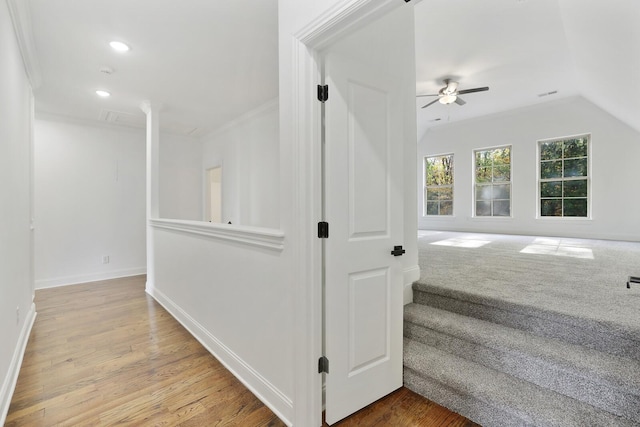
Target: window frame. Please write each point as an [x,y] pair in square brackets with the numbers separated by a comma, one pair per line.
[425,187]
[587,178]
[475,183]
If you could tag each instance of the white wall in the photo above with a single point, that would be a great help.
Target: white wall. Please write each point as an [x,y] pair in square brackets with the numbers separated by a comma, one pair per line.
[219,280]
[234,297]
[89,202]
[16,279]
[614,172]
[257,308]
[248,149]
[181,179]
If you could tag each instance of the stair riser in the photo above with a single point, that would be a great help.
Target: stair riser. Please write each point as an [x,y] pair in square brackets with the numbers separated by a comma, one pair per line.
[601,340]
[468,406]
[541,372]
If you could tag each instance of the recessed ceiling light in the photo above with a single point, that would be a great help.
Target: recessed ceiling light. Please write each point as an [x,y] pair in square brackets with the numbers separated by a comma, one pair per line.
[119,46]
[103,93]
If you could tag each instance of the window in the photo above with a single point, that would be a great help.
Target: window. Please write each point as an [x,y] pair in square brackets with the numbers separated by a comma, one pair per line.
[564,177]
[493,182]
[438,188]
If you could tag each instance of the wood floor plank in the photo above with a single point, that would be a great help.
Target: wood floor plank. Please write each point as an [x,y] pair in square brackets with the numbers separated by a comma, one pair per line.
[105,353]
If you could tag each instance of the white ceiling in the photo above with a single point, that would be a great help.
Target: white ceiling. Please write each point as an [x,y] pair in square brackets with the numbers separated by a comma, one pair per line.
[208,62]
[521,49]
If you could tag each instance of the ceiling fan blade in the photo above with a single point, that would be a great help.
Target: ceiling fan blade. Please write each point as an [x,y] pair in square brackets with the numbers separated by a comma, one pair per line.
[460,101]
[432,102]
[434,94]
[477,89]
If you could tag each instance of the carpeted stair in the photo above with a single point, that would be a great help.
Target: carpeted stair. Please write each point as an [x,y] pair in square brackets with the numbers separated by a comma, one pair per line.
[504,364]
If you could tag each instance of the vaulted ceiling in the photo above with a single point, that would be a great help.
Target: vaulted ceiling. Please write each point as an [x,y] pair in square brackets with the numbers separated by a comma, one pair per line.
[528,52]
[208,62]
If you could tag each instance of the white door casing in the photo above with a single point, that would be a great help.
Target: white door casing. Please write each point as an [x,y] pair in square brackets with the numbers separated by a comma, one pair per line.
[364,209]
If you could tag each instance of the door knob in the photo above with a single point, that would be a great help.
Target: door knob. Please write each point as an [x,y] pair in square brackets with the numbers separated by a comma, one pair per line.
[397,251]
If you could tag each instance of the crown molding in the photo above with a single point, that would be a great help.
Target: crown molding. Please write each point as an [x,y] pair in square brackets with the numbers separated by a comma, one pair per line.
[267,107]
[21,18]
[81,121]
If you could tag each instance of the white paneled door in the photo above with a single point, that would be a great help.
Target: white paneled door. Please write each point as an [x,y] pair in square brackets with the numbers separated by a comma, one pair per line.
[363,206]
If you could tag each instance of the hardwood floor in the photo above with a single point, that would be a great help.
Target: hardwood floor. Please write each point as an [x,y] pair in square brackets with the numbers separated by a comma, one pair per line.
[105,353]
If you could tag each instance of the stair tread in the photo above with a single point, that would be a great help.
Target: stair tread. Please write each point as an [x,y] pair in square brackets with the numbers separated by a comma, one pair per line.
[616,371]
[600,325]
[533,404]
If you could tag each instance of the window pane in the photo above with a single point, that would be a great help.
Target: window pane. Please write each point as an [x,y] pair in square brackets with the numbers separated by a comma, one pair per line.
[575,207]
[552,169]
[446,193]
[483,159]
[551,150]
[502,173]
[483,174]
[551,207]
[501,191]
[446,208]
[439,170]
[501,156]
[551,189]
[440,193]
[575,148]
[483,208]
[438,183]
[501,208]
[575,167]
[483,192]
[432,208]
[577,188]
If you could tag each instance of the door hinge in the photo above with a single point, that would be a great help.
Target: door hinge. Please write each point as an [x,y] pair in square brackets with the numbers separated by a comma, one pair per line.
[323,230]
[323,365]
[323,93]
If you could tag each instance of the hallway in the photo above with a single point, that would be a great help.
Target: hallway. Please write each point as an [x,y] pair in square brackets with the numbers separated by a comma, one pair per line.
[105,353]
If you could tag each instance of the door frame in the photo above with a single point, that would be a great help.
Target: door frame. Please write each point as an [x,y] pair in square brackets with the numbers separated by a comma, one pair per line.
[307,43]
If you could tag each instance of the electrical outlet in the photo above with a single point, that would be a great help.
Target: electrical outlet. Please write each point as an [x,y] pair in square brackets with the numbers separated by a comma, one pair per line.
[105,259]
[17,315]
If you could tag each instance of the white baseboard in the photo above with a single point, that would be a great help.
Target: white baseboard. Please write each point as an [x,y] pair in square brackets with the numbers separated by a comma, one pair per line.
[410,275]
[86,278]
[277,401]
[9,383]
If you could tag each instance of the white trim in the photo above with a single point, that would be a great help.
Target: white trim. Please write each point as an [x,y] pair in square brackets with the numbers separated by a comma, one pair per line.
[475,184]
[78,121]
[87,278]
[269,394]
[265,108]
[21,18]
[343,17]
[589,179]
[267,238]
[425,186]
[307,249]
[410,275]
[10,381]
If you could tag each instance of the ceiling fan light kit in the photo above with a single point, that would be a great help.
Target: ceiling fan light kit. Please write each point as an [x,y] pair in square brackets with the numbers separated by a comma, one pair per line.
[449,93]
[447,99]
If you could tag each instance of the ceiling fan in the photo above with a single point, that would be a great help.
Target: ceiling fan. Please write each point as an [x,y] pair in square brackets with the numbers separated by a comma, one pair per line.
[450,93]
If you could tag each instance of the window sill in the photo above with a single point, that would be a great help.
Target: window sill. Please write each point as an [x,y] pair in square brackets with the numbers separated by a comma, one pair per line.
[438,217]
[267,238]
[491,218]
[564,218]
